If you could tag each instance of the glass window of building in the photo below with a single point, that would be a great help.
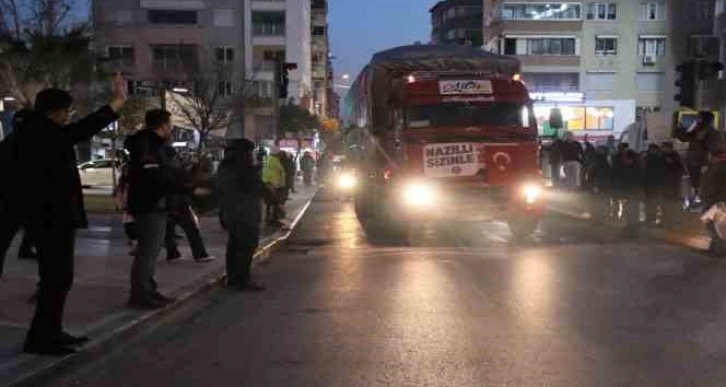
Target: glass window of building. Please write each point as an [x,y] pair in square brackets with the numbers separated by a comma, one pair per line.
[268,23]
[654,46]
[653,11]
[542,11]
[224,54]
[602,11]
[178,57]
[122,56]
[606,45]
[161,16]
[551,46]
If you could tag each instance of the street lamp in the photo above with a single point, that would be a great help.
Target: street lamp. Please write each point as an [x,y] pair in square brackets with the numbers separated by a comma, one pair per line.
[345,77]
[181,90]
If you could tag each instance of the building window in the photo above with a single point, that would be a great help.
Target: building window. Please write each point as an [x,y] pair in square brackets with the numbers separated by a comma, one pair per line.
[542,11]
[553,82]
[653,11]
[510,46]
[318,30]
[122,17]
[606,45]
[263,89]
[174,57]
[651,82]
[451,34]
[160,16]
[223,18]
[224,89]
[704,46]
[224,54]
[451,13]
[121,56]
[602,11]
[268,23]
[702,11]
[599,118]
[651,47]
[551,46]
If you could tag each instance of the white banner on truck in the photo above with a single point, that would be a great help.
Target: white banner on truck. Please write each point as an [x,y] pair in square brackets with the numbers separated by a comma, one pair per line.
[464,87]
[451,159]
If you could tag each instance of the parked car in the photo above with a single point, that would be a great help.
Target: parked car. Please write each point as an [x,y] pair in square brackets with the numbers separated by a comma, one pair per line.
[97,173]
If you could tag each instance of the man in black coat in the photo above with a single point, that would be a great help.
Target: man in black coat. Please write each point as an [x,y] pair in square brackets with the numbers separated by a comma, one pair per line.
[49,197]
[151,189]
[240,191]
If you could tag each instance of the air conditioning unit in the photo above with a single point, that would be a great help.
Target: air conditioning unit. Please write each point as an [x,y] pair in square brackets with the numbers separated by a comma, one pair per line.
[648,60]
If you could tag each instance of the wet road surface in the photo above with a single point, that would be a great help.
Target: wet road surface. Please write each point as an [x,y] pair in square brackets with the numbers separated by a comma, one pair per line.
[460,306]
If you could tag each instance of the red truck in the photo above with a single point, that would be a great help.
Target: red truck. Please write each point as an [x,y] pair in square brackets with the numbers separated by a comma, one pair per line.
[447,132]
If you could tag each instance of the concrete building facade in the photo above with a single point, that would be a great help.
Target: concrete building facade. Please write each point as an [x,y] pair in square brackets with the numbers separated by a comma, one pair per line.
[164,43]
[602,62]
[321,66]
[457,22]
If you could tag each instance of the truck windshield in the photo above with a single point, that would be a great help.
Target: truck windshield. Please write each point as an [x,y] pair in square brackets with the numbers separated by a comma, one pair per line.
[468,114]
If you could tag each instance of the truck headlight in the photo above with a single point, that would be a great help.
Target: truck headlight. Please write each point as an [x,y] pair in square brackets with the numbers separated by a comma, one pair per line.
[346,181]
[419,194]
[531,192]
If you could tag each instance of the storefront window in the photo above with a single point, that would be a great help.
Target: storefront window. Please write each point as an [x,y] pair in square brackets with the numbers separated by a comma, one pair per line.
[600,118]
[576,118]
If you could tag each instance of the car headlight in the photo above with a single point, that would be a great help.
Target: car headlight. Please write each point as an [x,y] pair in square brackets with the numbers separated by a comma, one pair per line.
[346,181]
[419,194]
[531,192]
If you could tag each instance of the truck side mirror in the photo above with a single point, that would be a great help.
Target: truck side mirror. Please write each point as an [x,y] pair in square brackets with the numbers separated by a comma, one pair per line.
[556,120]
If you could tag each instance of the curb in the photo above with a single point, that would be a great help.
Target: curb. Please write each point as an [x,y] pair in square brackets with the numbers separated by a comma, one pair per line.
[698,243]
[40,369]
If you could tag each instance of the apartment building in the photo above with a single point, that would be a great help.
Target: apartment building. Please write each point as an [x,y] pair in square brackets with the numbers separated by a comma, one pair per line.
[321,66]
[600,61]
[457,22]
[164,43]
[279,29]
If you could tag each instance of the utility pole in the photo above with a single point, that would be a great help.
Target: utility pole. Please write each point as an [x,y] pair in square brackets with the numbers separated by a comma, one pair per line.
[276,95]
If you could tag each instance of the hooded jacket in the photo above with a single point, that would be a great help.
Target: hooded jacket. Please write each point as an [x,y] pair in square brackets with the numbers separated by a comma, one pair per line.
[240,190]
[46,182]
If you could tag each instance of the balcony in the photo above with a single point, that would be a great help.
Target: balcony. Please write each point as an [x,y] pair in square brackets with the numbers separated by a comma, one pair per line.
[569,61]
[319,5]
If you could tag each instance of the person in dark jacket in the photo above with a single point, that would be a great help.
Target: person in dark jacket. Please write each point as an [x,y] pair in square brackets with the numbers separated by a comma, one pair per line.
[654,175]
[572,159]
[307,164]
[713,192]
[241,191]
[702,141]
[597,181]
[288,161]
[10,225]
[151,186]
[183,215]
[48,195]
[627,183]
[672,195]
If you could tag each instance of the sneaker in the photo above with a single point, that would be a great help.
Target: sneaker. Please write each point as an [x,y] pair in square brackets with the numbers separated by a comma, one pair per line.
[208,258]
[148,303]
[67,339]
[163,298]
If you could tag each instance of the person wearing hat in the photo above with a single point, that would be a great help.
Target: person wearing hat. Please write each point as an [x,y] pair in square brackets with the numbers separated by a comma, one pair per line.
[240,193]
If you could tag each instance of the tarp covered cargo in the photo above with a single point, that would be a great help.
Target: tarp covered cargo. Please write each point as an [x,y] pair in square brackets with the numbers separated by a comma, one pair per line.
[397,62]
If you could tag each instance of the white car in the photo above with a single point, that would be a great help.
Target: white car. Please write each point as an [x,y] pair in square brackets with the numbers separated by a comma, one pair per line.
[97,173]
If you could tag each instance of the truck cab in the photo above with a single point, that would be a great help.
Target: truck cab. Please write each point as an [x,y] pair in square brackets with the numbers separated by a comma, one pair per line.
[454,144]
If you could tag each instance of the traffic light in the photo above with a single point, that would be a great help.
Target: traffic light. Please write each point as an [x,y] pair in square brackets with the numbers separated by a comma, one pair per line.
[708,70]
[688,83]
[283,72]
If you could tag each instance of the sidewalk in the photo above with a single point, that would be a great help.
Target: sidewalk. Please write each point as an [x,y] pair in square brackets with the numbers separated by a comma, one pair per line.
[690,231]
[96,304]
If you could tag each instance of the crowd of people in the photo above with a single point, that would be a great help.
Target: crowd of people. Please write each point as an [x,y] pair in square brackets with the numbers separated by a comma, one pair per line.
[618,180]
[41,193]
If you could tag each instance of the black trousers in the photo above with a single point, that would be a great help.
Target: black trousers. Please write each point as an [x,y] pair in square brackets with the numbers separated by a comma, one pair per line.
[242,242]
[694,177]
[184,217]
[55,245]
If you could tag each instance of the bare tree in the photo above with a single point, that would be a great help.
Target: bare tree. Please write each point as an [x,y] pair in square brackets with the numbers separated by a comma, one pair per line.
[41,48]
[216,100]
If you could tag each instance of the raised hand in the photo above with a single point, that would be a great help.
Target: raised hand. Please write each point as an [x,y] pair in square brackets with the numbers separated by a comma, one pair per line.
[118,92]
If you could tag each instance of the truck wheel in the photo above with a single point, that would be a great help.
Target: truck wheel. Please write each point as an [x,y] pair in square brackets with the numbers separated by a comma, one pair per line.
[522,228]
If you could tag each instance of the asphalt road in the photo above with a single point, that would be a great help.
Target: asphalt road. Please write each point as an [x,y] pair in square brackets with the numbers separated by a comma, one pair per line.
[461,306]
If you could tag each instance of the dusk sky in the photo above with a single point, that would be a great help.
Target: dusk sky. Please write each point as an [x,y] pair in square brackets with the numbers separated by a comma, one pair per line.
[359,28]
